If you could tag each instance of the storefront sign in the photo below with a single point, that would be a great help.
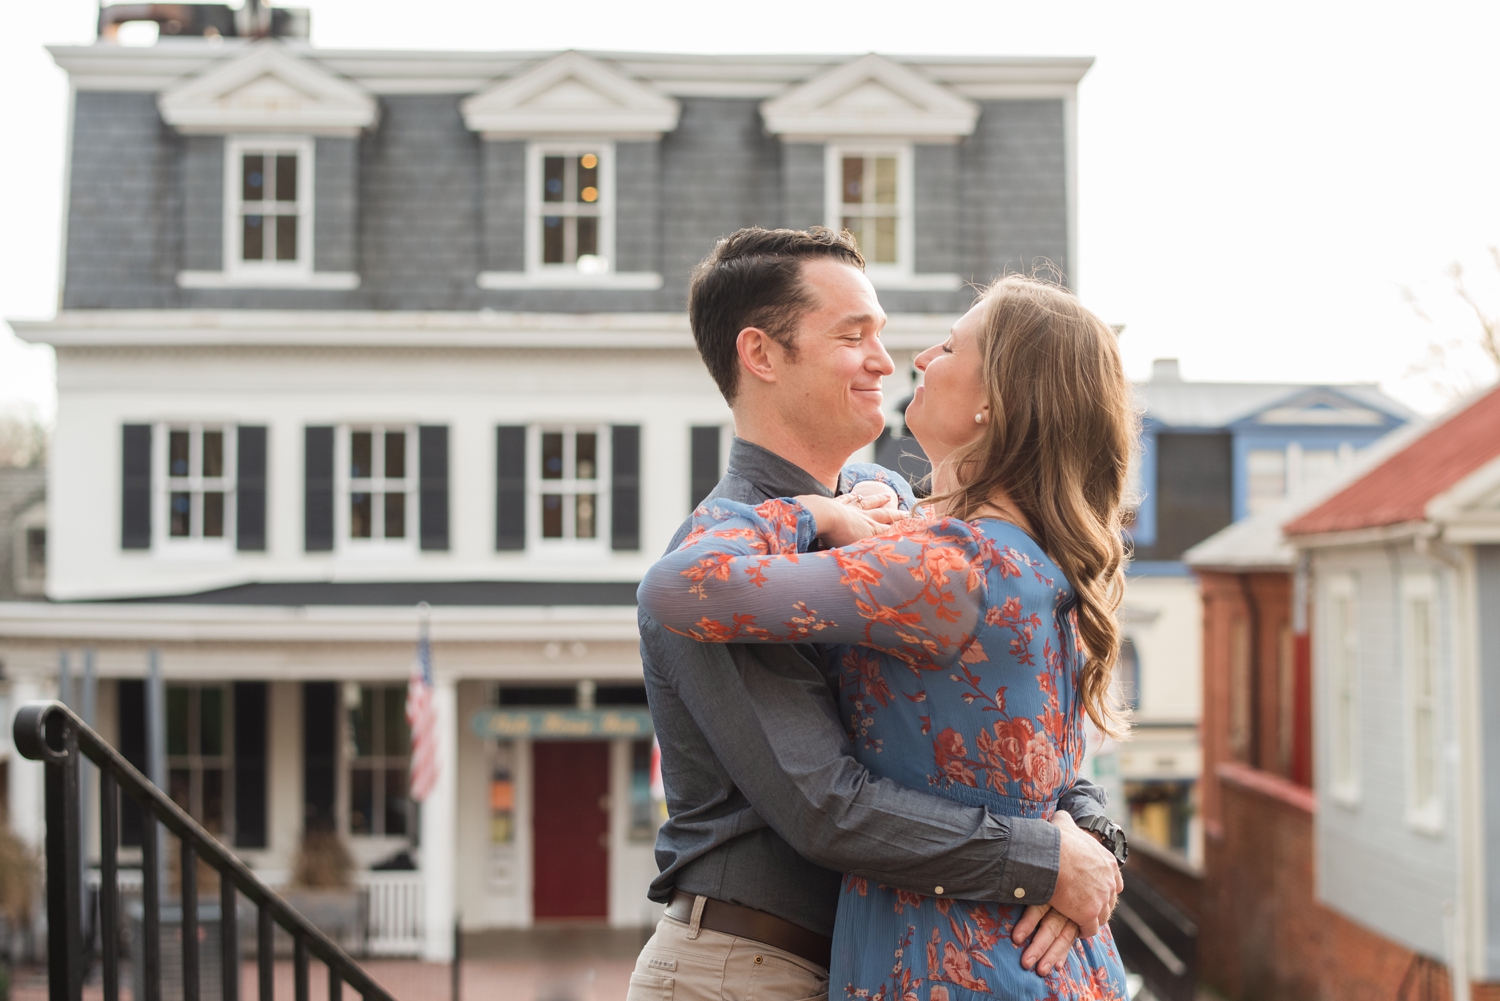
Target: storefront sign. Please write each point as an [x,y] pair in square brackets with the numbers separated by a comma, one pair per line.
[562,724]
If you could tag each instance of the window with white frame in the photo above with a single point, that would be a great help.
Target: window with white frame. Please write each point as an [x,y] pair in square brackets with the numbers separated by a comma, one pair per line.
[1419,628]
[199,762]
[378,750]
[869,193]
[569,484]
[1266,475]
[198,482]
[1342,646]
[380,484]
[571,200]
[269,208]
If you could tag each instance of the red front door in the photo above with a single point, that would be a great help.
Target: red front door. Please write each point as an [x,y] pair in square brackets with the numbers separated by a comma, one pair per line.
[570,829]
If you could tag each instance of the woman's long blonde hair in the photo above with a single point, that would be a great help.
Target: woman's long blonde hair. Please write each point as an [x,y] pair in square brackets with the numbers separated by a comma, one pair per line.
[1058,441]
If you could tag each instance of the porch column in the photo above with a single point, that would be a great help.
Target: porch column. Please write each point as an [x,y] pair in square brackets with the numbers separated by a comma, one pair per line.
[24,798]
[439,830]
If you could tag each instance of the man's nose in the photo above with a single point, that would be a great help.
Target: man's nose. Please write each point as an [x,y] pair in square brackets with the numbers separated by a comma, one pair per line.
[880,359]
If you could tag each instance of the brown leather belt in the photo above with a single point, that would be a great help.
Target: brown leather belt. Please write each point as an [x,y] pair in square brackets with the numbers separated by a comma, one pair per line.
[758,926]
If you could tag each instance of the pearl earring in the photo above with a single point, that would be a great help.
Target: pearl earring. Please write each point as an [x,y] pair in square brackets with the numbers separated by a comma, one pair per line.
[979,418]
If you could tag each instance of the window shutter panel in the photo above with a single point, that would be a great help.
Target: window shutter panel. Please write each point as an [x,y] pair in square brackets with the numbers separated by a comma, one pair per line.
[705,464]
[625,488]
[432,484]
[250,491]
[135,487]
[250,764]
[510,488]
[319,754]
[317,513]
[131,706]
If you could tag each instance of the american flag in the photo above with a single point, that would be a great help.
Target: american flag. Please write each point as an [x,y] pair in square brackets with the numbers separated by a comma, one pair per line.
[421,717]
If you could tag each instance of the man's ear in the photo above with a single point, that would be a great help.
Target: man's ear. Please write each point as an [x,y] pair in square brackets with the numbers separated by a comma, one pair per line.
[759,353]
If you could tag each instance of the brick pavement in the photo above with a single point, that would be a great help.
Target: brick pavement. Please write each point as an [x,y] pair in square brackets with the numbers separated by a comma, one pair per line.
[409,980]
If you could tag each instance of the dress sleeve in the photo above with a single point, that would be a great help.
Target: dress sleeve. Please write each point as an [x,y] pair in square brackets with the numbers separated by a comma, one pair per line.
[915,592]
[862,472]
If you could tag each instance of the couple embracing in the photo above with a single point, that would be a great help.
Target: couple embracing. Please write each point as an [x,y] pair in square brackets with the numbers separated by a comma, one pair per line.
[872,713]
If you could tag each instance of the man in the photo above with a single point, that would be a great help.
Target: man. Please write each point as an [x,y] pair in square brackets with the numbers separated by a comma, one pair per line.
[767,807]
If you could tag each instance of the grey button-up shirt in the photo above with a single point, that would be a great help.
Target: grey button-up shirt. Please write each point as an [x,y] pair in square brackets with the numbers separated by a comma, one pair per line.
[767,806]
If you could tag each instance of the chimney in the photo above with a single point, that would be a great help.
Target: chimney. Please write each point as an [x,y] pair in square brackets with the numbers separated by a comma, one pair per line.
[1165,370]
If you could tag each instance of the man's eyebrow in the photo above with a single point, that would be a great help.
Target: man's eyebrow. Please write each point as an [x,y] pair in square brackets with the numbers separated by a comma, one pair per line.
[860,319]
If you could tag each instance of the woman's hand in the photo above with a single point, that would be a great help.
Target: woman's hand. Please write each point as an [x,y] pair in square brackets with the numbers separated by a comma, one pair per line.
[841,523]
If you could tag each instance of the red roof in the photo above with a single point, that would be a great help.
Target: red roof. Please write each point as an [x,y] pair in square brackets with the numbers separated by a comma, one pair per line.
[1398,490]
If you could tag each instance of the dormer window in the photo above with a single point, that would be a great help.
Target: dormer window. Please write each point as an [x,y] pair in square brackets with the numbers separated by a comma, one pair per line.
[571,225]
[870,195]
[269,220]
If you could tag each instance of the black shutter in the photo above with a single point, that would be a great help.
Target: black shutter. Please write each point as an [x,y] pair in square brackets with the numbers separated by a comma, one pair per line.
[317,513]
[249,763]
[250,491]
[135,487]
[705,464]
[131,698]
[433,486]
[625,488]
[319,754]
[510,488]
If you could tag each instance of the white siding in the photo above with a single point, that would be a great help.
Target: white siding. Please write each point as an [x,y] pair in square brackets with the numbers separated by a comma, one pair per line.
[1372,863]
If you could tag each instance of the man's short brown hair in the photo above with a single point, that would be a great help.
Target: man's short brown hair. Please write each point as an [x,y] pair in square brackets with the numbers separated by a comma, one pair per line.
[753,278]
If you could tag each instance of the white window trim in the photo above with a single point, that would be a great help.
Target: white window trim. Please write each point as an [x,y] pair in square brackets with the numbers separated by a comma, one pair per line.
[234,148]
[163,543]
[1424,817]
[567,276]
[344,782]
[599,545]
[1345,789]
[372,548]
[261,274]
[902,275]
[535,207]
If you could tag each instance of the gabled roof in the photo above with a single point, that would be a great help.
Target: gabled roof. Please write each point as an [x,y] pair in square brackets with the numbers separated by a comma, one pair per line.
[1244,404]
[1403,488]
[268,89]
[570,94]
[870,97]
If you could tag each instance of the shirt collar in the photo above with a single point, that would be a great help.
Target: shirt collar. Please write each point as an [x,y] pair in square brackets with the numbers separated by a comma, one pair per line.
[771,472]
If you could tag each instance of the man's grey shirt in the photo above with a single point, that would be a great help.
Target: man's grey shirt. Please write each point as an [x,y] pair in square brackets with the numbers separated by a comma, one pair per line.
[767,805]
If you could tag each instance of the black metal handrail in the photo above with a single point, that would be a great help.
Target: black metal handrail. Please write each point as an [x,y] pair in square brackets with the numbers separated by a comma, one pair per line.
[50,732]
[1156,940]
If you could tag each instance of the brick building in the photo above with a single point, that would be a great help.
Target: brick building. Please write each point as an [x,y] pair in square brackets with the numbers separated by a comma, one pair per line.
[1348,676]
[346,331]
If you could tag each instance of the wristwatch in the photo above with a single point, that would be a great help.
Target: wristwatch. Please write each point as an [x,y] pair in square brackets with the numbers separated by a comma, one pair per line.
[1110,834]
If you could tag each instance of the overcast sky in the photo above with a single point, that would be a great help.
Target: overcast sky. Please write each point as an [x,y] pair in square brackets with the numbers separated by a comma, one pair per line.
[1258,183]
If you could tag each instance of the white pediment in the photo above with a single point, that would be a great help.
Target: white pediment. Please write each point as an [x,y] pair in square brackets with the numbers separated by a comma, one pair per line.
[871,97]
[268,89]
[570,95]
[1320,407]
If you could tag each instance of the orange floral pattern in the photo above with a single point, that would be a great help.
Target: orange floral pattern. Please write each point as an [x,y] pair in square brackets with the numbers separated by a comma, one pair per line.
[958,664]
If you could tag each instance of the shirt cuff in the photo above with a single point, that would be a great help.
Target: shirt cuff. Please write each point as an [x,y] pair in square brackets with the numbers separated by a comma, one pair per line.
[807,527]
[1030,874]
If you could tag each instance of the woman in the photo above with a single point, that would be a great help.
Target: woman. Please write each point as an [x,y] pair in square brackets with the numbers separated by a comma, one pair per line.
[977,639]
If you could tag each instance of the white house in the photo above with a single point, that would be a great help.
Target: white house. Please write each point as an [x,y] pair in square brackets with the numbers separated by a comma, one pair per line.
[346,332]
[1403,571]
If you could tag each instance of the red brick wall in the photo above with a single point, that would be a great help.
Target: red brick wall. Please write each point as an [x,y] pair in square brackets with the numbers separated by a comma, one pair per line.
[1262,933]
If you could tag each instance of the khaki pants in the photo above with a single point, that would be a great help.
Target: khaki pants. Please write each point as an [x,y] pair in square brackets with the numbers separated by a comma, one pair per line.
[683,962]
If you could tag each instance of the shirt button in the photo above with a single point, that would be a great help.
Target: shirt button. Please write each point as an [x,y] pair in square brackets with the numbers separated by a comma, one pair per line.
[937,889]
[1020,892]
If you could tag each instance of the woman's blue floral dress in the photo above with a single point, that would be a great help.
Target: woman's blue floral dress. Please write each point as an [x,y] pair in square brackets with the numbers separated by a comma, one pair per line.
[959,675]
